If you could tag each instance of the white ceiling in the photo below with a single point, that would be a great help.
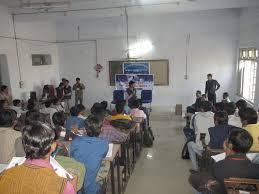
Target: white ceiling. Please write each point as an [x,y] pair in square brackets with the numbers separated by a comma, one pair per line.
[109,8]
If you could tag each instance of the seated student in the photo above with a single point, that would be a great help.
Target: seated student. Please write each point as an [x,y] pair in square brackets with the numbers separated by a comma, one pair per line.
[81,111]
[202,121]
[135,111]
[220,132]
[196,106]
[90,150]
[48,110]
[8,135]
[240,104]
[249,119]
[17,106]
[57,105]
[97,110]
[219,106]
[106,111]
[73,121]
[233,120]
[236,165]
[119,107]
[36,175]
[225,98]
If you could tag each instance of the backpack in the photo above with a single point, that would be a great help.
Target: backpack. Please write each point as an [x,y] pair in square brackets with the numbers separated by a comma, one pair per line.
[148,138]
[185,152]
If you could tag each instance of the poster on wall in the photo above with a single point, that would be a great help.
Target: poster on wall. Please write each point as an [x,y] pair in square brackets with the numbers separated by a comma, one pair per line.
[136,68]
[143,82]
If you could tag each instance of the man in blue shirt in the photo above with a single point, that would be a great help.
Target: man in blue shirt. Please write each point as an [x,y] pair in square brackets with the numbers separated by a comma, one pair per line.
[221,131]
[90,150]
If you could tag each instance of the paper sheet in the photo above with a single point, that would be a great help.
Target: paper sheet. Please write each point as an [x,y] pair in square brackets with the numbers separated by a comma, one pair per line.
[60,171]
[109,153]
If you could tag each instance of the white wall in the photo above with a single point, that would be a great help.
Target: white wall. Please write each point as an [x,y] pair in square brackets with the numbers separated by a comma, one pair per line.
[33,77]
[249,37]
[214,39]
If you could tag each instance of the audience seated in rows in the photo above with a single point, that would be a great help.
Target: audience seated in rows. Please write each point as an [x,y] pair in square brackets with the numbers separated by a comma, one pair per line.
[8,135]
[249,119]
[236,164]
[201,121]
[73,121]
[233,120]
[90,150]
[120,114]
[220,132]
[36,175]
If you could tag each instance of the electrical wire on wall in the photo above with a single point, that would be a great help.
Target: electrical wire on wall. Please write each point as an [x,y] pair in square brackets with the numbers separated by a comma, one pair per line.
[188,39]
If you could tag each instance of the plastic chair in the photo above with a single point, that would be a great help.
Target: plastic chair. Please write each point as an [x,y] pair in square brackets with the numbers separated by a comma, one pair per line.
[118,95]
[146,97]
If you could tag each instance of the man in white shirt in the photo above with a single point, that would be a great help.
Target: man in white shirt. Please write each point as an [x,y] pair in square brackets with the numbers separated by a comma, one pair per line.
[202,121]
[17,107]
[48,110]
[233,120]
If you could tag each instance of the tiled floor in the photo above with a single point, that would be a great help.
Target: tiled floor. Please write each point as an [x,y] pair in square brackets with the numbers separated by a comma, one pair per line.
[160,170]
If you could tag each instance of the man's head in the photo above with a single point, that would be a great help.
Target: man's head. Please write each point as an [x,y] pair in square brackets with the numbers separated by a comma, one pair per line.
[203,97]
[7,118]
[17,103]
[59,119]
[93,126]
[206,106]
[221,118]
[73,111]
[120,107]
[225,95]
[38,141]
[4,89]
[47,104]
[131,84]
[198,94]
[32,116]
[239,141]
[66,82]
[136,104]
[61,85]
[77,80]
[209,76]
[241,104]
[248,116]
[80,108]
[104,105]
[230,108]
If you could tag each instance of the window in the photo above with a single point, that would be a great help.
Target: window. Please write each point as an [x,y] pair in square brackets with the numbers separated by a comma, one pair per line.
[247,69]
[39,59]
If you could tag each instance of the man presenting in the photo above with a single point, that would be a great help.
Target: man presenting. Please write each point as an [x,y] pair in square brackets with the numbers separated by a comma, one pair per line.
[78,87]
[211,87]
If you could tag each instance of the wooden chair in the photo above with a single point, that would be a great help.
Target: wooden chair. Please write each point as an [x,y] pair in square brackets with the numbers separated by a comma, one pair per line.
[242,186]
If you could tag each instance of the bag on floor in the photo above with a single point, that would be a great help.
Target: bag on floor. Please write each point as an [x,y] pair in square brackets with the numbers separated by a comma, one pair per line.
[185,152]
[148,138]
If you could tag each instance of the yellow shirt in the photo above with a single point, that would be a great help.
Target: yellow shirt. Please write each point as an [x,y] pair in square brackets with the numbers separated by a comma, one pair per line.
[120,116]
[253,129]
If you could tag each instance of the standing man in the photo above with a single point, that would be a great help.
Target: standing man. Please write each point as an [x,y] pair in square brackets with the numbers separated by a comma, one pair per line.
[211,87]
[79,91]
[131,93]
[67,95]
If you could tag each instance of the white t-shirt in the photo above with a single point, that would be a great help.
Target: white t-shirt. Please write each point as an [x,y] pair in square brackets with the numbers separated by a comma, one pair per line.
[234,121]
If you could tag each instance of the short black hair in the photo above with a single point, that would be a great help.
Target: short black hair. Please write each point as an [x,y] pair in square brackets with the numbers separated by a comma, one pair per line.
[59,118]
[131,83]
[241,104]
[16,102]
[61,84]
[6,118]
[93,126]
[226,94]
[198,91]
[219,106]
[135,104]
[221,117]
[73,111]
[63,79]
[209,75]
[206,106]
[47,103]
[230,108]
[120,107]
[77,79]
[37,139]
[80,108]
[104,104]
[32,116]
[241,140]
[3,87]
[97,108]
[249,115]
